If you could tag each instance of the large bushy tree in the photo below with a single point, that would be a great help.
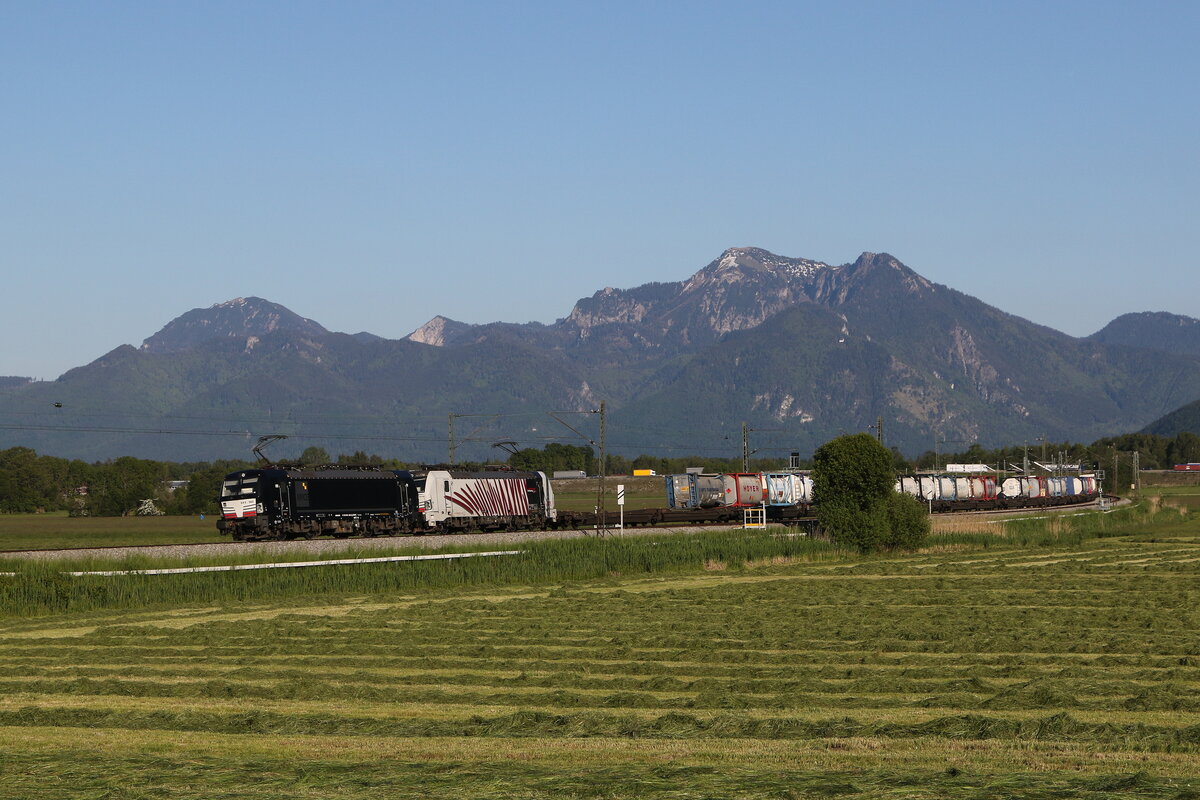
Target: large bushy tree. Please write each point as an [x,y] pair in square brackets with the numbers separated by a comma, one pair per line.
[554,457]
[120,485]
[854,485]
[315,456]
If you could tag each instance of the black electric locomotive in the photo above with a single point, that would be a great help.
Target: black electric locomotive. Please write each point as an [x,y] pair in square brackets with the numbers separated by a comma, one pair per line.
[302,503]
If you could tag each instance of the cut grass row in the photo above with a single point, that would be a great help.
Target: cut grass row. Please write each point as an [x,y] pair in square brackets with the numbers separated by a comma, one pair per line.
[463,712]
[1060,727]
[584,674]
[201,766]
[1040,695]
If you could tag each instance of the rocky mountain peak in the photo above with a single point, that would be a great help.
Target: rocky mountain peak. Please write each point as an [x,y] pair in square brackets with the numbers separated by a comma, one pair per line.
[879,261]
[620,306]
[439,331]
[243,317]
[878,269]
[742,264]
[738,290]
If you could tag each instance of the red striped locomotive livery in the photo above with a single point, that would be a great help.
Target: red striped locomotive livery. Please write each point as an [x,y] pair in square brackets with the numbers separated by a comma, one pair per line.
[454,500]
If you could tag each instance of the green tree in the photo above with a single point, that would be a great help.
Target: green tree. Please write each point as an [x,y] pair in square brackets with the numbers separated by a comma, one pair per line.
[908,522]
[899,462]
[554,457]
[616,464]
[120,485]
[201,494]
[12,498]
[853,481]
[26,489]
[359,458]
[314,456]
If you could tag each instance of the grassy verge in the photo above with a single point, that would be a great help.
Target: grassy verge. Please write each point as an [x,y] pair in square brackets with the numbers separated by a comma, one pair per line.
[41,587]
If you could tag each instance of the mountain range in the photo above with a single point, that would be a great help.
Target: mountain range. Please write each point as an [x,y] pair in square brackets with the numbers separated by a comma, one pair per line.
[798,350]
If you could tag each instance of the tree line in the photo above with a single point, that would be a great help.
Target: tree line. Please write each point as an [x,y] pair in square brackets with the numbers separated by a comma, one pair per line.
[30,482]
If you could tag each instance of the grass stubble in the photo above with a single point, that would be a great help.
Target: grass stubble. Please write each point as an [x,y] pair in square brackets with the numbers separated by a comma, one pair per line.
[1045,658]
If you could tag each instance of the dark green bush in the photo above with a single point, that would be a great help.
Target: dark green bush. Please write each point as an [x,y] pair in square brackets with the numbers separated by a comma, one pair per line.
[908,522]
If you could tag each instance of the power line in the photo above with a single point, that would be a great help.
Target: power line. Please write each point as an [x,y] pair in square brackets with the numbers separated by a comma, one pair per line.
[167,431]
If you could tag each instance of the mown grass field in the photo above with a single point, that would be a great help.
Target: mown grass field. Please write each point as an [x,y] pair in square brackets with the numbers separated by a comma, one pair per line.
[57,530]
[1045,659]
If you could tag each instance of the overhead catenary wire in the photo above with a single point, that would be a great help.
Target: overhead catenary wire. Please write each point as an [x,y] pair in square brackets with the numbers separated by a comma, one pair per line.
[240,433]
[318,428]
[646,448]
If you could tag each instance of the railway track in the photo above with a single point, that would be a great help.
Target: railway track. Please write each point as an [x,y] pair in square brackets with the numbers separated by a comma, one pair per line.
[636,524]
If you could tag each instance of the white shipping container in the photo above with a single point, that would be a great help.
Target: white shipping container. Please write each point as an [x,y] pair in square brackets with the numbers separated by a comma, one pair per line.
[781,489]
[930,488]
[806,488]
[946,489]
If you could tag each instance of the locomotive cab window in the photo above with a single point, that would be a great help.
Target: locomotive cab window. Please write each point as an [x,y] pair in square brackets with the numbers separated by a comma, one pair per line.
[235,488]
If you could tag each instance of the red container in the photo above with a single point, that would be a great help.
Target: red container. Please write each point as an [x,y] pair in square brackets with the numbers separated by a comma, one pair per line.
[743,489]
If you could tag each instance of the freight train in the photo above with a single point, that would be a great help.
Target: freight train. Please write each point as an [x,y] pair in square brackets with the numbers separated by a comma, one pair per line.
[781,493]
[283,503]
[985,492]
[293,503]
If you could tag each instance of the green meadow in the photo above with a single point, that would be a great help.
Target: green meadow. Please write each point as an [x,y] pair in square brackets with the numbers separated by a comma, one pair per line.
[1047,658]
[56,530]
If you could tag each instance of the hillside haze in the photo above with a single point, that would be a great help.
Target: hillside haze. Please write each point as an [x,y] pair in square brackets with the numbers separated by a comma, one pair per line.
[1153,330]
[798,349]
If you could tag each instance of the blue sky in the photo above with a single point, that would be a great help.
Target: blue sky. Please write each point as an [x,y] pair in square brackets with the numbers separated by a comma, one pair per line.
[370,165]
